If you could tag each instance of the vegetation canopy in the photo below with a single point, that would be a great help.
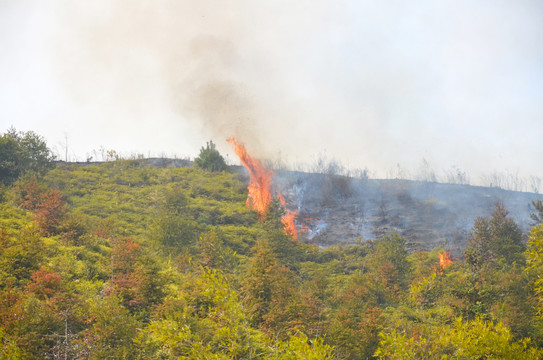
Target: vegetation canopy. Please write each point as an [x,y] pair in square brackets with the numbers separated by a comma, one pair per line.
[121,260]
[21,152]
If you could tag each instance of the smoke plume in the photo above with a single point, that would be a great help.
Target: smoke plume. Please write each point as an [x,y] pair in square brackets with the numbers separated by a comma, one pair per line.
[372,84]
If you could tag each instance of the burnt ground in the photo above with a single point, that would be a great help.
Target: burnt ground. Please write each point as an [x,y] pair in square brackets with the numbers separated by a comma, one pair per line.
[337,209]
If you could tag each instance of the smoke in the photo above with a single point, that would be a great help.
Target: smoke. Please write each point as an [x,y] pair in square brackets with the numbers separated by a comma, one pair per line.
[458,84]
[177,55]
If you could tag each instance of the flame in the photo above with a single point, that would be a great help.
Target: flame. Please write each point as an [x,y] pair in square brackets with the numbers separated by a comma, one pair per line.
[260,194]
[445,259]
[260,179]
[289,219]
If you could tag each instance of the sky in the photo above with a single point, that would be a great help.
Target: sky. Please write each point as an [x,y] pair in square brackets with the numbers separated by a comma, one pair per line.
[391,86]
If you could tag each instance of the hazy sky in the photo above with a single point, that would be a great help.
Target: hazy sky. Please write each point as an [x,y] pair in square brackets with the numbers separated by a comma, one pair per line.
[371,83]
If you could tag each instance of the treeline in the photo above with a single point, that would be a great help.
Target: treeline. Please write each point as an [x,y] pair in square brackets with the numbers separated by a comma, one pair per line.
[126,261]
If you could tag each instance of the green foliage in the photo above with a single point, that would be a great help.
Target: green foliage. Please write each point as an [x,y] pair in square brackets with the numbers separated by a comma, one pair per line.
[289,251]
[204,320]
[389,262]
[213,252]
[110,332]
[537,216]
[8,348]
[210,159]
[493,240]
[21,152]
[476,339]
[534,254]
[20,255]
[173,226]
[300,347]
[126,261]
[355,317]
[126,198]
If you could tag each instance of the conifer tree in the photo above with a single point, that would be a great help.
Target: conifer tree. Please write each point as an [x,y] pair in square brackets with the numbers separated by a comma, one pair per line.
[210,158]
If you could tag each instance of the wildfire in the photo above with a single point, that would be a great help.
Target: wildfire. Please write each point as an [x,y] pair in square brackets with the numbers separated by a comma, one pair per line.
[445,259]
[260,179]
[260,194]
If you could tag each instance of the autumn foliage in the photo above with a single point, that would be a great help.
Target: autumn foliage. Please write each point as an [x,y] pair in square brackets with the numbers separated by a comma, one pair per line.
[45,203]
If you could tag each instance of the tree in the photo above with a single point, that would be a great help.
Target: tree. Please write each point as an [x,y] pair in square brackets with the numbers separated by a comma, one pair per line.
[8,348]
[21,152]
[537,216]
[110,331]
[355,317]
[9,158]
[135,279]
[390,265]
[289,251]
[300,347]
[494,239]
[210,159]
[534,255]
[174,227]
[269,290]
[204,320]
[45,203]
[475,339]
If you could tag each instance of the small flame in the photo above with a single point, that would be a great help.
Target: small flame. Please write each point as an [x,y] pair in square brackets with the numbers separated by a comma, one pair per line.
[260,195]
[445,259]
[289,220]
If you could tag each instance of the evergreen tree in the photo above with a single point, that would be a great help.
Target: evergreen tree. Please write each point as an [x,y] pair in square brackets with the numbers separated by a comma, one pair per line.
[210,158]
[537,216]
[494,239]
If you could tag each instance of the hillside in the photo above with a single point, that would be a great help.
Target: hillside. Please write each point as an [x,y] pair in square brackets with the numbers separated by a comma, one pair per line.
[429,215]
[129,260]
[336,209]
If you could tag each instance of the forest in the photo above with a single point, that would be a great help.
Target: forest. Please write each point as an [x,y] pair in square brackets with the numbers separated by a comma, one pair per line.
[124,260]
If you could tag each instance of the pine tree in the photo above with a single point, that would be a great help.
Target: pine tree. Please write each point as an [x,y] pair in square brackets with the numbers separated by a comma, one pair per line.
[210,159]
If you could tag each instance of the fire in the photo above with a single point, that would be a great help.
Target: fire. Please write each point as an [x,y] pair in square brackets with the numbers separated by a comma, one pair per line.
[260,194]
[260,179]
[445,259]
[289,220]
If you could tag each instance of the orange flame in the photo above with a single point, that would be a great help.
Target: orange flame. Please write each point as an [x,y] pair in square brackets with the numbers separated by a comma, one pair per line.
[445,259]
[260,179]
[260,195]
[289,220]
